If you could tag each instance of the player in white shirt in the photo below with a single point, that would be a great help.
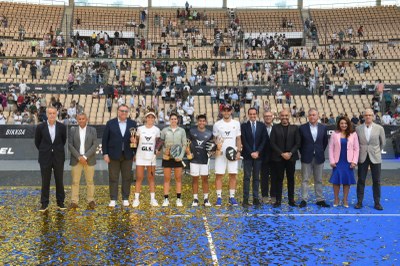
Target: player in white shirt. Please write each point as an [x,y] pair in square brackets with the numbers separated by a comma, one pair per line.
[228,130]
[146,137]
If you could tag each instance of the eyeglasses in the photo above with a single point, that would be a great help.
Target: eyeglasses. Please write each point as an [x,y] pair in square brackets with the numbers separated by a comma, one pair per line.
[123,111]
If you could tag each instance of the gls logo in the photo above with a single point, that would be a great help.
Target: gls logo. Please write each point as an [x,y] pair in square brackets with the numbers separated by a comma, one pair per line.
[6,151]
[227,133]
[144,148]
[199,142]
[147,138]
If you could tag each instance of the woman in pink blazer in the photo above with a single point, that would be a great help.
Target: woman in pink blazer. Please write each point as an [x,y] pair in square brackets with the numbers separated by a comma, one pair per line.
[343,158]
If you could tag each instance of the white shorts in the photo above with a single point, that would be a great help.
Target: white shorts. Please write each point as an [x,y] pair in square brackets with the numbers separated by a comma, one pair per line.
[197,169]
[145,162]
[221,163]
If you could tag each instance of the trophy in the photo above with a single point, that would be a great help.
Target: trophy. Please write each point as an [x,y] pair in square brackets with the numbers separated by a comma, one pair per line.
[133,131]
[219,141]
[189,154]
[167,150]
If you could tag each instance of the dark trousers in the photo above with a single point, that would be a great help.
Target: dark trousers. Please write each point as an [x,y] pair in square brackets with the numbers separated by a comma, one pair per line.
[278,173]
[376,179]
[115,167]
[58,169]
[251,168]
[266,184]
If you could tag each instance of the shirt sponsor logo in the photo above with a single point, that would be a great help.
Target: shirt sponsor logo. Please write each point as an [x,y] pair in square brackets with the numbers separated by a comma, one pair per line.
[147,138]
[227,133]
[199,142]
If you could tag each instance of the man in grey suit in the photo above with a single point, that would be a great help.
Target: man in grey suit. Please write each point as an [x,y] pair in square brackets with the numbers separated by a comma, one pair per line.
[82,143]
[371,137]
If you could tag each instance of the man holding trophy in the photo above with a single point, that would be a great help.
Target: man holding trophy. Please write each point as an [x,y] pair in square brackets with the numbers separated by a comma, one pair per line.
[227,138]
[201,145]
[118,154]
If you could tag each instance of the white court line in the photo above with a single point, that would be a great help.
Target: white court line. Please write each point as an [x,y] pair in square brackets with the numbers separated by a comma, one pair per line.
[314,215]
[210,242]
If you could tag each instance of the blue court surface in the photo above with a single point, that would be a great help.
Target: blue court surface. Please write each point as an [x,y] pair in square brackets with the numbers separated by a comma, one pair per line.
[199,236]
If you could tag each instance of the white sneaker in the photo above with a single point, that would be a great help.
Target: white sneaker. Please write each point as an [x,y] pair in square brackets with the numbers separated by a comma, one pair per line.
[195,203]
[207,203]
[154,203]
[125,203]
[165,203]
[179,203]
[112,204]
[135,203]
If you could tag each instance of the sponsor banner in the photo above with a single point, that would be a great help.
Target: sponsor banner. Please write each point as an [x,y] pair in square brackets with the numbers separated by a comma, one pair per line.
[17,142]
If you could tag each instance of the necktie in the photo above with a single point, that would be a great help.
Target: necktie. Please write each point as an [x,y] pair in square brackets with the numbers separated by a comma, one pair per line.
[253,128]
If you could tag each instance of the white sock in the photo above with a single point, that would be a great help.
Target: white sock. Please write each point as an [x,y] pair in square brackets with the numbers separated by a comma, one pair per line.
[219,193]
[195,196]
[205,195]
[152,195]
[231,193]
[137,196]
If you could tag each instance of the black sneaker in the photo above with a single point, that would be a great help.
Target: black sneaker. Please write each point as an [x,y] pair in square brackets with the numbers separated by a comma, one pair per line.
[256,202]
[61,207]
[43,208]
[303,204]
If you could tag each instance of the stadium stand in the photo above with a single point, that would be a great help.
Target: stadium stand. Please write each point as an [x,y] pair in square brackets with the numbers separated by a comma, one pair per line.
[170,38]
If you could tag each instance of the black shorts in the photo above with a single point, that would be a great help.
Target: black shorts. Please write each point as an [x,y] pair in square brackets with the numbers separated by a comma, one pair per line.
[171,164]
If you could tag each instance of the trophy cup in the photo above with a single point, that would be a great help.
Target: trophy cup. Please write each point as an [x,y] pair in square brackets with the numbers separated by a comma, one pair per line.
[219,141]
[133,131]
[167,150]
[189,154]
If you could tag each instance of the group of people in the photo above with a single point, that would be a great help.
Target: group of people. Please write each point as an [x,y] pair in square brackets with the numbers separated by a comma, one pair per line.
[268,151]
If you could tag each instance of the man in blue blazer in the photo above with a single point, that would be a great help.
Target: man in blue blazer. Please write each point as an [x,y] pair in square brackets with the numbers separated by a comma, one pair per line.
[253,140]
[118,154]
[314,140]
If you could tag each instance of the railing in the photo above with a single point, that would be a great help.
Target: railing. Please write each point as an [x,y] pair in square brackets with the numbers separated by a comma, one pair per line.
[40,2]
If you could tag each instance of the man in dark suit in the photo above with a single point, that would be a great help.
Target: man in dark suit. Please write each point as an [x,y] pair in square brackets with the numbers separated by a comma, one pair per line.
[82,143]
[285,143]
[50,138]
[314,140]
[118,154]
[266,188]
[253,140]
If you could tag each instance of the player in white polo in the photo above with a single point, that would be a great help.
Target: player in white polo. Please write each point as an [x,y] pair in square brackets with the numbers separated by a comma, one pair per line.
[227,130]
[147,136]
[200,138]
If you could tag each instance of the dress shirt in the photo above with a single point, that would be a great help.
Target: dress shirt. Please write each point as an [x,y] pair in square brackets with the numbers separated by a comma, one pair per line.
[269,129]
[122,126]
[52,131]
[82,136]
[368,130]
[314,131]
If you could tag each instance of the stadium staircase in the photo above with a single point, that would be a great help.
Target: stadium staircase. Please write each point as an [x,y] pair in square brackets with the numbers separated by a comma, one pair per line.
[67,22]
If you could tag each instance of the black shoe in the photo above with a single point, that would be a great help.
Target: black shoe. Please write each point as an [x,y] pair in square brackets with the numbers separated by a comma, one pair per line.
[43,208]
[277,204]
[246,203]
[323,204]
[378,207]
[292,203]
[61,207]
[358,205]
[256,202]
[303,204]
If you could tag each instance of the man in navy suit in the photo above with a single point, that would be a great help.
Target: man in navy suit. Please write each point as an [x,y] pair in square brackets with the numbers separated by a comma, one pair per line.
[253,140]
[50,138]
[118,154]
[266,188]
[314,140]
